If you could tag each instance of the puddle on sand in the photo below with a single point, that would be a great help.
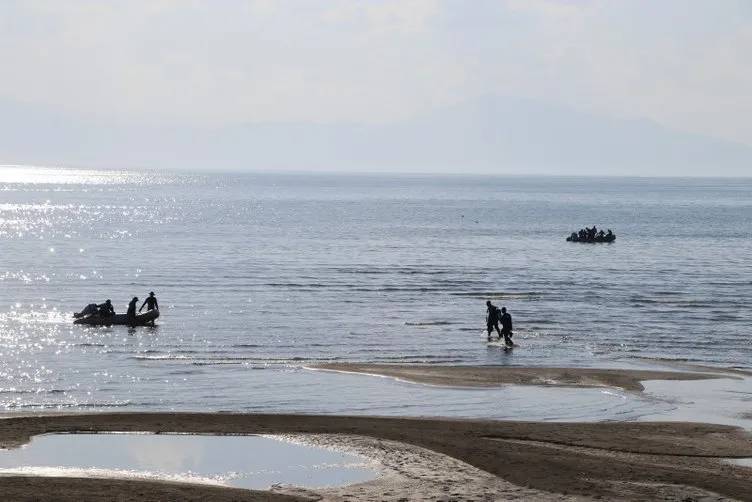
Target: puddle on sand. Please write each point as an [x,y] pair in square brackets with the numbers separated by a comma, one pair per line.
[240,461]
[746,462]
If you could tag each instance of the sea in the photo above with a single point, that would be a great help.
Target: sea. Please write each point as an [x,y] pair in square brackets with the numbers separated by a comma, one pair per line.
[261,276]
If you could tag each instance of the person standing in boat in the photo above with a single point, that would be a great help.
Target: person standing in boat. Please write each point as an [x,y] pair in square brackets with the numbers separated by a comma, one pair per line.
[150,303]
[506,327]
[492,319]
[131,314]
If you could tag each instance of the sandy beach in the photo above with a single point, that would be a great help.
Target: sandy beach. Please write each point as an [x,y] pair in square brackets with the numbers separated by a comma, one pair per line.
[503,460]
[491,376]
[375,251]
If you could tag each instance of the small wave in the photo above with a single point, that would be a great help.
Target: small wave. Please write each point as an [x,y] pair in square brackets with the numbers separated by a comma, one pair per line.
[34,391]
[215,363]
[166,357]
[666,359]
[421,359]
[429,323]
[500,294]
[183,372]
[50,406]
[391,270]
[295,285]
[725,317]
[671,301]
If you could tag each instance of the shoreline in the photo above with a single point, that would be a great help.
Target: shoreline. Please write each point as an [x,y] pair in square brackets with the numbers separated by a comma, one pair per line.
[569,461]
[495,376]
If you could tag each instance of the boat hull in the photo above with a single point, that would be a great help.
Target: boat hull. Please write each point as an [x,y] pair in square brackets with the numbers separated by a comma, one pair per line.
[145,319]
[597,240]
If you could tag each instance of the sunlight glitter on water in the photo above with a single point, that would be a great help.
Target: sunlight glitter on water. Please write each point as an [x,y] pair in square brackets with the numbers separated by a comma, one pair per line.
[65,176]
[256,273]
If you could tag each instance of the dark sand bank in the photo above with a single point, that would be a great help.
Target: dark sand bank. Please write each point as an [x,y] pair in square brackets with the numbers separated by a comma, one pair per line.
[491,376]
[35,488]
[548,461]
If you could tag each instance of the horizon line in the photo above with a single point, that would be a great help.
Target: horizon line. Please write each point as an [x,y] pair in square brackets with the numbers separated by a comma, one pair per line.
[330,172]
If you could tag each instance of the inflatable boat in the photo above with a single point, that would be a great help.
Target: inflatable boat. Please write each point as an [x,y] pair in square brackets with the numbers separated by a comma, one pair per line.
[145,319]
[605,238]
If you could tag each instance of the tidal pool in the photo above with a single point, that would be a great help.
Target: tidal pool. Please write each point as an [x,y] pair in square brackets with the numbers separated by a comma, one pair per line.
[240,461]
[746,462]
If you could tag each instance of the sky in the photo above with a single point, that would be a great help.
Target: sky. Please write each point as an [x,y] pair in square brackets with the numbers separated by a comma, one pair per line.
[680,64]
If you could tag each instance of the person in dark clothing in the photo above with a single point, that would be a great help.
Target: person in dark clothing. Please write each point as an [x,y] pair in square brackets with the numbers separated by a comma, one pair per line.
[150,303]
[492,319]
[131,313]
[506,327]
[106,309]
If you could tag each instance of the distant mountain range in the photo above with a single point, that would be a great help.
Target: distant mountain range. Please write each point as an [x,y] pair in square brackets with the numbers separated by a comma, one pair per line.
[491,135]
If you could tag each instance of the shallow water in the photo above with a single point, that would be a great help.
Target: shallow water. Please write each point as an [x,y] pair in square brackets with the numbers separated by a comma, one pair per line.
[721,401]
[259,275]
[746,462]
[239,461]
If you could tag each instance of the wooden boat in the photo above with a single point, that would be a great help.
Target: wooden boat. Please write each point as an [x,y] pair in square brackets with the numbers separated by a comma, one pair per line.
[145,319]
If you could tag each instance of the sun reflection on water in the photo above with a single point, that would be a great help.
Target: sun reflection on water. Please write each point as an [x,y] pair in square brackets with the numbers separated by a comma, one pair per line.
[67,176]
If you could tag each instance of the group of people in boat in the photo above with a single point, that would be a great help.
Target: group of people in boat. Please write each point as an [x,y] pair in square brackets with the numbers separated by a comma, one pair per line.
[592,235]
[105,310]
[494,316]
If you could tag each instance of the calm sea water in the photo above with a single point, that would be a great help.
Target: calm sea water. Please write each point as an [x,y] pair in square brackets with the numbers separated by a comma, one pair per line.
[260,275]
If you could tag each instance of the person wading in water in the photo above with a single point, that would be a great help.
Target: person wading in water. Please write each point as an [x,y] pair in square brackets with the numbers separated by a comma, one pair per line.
[150,303]
[131,314]
[506,327]
[492,319]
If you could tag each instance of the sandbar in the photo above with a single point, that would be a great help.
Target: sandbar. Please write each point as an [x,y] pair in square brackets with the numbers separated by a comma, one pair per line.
[493,376]
[507,459]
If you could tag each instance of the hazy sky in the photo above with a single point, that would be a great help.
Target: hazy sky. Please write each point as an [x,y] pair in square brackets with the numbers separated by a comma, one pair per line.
[682,63]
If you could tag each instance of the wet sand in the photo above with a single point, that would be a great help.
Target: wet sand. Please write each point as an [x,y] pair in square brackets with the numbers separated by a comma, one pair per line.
[492,376]
[461,459]
[33,488]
